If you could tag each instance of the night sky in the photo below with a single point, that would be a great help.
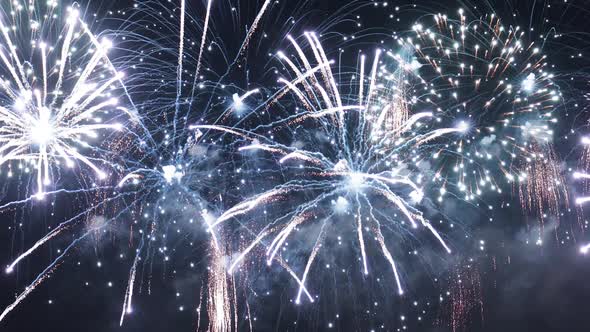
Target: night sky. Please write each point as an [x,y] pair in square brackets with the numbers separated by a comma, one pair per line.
[511,269]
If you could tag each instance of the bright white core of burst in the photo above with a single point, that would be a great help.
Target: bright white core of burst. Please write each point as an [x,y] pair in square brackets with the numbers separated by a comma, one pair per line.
[416,196]
[341,204]
[463,126]
[42,129]
[356,181]
[529,83]
[170,173]
[237,101]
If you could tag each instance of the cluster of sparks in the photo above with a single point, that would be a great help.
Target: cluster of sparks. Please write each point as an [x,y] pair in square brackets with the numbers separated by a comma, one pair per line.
[463,107]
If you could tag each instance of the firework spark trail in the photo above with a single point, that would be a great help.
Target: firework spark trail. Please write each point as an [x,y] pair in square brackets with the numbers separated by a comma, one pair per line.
[180,50]
[134,176]
[243,46]
[298,219]
[72,20]
[127,302]
[275,245]
[359,230]
[381,240]
[578,175]
[253,28]
[134,116]
[582,200]
[180,62]
[44,275]
[221,128]
[199,309]
[202,47]
[296,278]
[246,206]
[127,178]
[247,250]
[220,297]
[203,39]
[49,193]
[58,230]
[40,278]
[310,260]
[239,100]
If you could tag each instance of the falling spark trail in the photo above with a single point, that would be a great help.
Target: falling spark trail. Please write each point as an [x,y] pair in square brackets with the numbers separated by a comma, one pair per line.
[49,193]
[44,275]
[362,80]
[294,276]
[180,62]
[387,254]
[359,230]
[310,260]
[245,207]
[247,250]
[253,27]
[203,39]
[127,308]
[127,178]
[39,243]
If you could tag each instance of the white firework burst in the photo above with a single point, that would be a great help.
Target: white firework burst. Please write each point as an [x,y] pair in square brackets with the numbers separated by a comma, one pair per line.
[58,92]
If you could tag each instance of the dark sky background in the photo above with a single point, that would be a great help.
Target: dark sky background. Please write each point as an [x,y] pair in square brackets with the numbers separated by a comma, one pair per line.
[512,285]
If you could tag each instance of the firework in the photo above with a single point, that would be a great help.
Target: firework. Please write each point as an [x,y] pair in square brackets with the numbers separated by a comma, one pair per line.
[489,76]
[362,155]
[60,95]
[59,91]
[374,148]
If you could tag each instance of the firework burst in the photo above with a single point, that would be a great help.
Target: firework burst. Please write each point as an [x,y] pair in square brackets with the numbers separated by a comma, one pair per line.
[59,100]
[487,75]
[372,146]
[459,108]
[59,91]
